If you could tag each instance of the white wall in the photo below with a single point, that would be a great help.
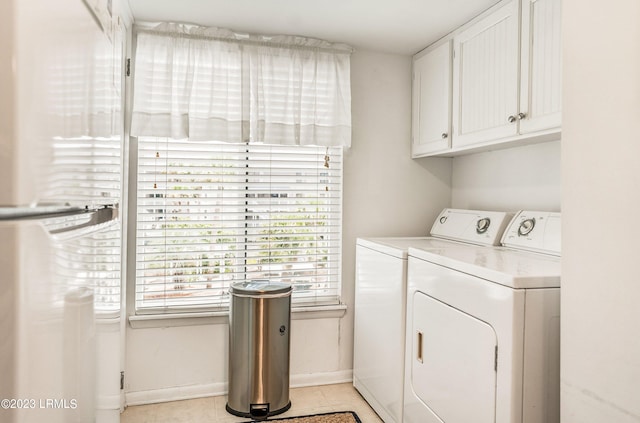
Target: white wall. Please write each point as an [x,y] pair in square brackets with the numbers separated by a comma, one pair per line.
[385,193]
[600,151]
[527,177]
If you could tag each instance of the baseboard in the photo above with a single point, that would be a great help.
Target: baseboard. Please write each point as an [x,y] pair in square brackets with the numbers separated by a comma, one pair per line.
[175,393]
[213,389]
[314,379]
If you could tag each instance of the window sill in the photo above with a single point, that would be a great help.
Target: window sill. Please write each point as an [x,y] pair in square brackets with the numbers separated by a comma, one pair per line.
[143,321]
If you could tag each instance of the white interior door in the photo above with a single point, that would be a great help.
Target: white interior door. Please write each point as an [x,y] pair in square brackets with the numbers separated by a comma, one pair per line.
[453,366]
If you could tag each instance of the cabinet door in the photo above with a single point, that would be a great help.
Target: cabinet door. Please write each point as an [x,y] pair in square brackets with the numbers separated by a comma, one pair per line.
[485,92]
[431,121]
[541,67]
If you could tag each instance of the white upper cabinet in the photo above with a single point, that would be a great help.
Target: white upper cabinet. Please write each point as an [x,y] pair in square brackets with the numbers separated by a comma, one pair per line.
[485,91]
[541,68]
[505,87]
[431,108]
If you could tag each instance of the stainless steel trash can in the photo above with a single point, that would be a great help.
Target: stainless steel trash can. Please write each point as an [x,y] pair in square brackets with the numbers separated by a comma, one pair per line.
[259,321]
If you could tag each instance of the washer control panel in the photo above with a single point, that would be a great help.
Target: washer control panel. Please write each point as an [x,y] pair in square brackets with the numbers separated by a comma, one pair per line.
[473,226]
[534,231]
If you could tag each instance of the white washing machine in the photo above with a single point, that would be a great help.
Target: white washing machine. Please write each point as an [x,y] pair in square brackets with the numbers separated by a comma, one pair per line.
[483,328]
[380,299]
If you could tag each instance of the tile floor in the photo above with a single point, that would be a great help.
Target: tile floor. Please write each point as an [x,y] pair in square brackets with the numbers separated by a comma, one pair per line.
[309,400]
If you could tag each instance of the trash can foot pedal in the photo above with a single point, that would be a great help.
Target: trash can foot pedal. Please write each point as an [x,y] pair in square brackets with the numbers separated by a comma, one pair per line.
[258,411]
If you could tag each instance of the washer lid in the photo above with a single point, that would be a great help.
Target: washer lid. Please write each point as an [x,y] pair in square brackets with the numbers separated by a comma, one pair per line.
[259,287]
[398,246]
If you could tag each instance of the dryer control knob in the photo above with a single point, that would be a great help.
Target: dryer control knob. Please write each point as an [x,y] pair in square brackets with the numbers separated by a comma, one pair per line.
[482,225]
[526,226]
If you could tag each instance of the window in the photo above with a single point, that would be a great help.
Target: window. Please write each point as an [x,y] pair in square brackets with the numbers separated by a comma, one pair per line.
[210,214]
[86,171]
[83,164]
[240,143]
[94,257]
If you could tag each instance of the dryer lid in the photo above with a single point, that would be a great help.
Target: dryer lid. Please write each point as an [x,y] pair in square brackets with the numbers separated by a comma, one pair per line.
[505,266]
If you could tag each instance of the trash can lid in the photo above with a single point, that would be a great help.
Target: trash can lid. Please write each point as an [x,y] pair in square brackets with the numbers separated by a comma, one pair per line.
[259,287]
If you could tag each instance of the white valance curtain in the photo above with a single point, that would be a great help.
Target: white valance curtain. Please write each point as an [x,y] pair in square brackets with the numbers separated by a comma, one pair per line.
[213,84]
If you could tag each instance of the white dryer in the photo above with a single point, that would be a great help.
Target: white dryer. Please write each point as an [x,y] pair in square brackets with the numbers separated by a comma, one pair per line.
[380,299]
[483,328]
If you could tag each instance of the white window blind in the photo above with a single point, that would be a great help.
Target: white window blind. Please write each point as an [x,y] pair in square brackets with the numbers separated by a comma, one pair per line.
[89,257]
[210,214]
[84,171]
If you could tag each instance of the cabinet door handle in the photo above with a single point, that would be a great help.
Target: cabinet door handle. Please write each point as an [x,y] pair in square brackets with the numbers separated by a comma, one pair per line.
[512,119]
[419,352]
[521,115]
[444,135]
